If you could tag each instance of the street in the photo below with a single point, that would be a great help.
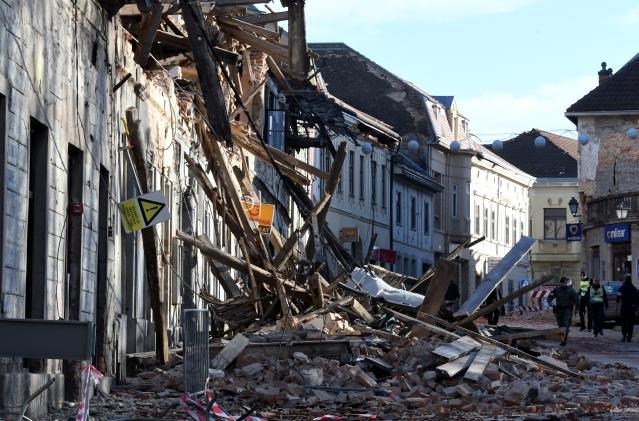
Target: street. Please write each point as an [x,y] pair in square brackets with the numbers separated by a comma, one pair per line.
[607,349]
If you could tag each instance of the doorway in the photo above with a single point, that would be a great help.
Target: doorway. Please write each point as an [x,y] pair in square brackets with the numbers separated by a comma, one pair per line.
[621,261]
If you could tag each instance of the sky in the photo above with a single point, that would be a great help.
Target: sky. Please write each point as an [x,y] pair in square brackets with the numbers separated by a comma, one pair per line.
[512,65]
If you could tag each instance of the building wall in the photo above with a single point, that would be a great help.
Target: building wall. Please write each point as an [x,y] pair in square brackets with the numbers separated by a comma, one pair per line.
[356,209]
[550,254]
[608,174]
[412,242]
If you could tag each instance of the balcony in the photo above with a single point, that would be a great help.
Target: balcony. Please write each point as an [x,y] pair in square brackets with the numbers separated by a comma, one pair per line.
[604,210]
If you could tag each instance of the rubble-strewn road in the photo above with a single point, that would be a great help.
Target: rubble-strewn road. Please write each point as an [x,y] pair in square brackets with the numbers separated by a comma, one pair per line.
[510,388]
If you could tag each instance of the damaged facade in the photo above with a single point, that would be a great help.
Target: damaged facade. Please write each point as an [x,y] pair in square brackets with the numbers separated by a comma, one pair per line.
[212,105]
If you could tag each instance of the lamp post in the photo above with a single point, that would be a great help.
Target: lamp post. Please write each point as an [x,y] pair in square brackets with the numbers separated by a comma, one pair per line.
[622,209]
[573,205]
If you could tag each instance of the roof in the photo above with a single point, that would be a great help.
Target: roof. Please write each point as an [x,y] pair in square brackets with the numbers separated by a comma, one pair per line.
[558,159]
[355,79]
[618,93]
[445,100]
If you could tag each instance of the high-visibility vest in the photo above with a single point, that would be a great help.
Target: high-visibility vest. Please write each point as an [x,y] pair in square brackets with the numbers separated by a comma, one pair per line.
[584,284]
[596,295]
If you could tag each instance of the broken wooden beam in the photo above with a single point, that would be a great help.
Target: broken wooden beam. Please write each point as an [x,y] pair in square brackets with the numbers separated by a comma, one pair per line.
[540,333]
[489,308]
[148,241]
[480,362]
[207,68]
[434,296]
[150,25]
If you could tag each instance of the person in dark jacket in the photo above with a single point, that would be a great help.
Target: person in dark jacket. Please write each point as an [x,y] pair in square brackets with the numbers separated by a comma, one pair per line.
[584,302]
[628,296]
[598,304]
[565,298]
[493,316]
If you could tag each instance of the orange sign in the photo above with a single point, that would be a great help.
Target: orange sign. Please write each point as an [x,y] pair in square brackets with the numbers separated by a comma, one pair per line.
[262,213]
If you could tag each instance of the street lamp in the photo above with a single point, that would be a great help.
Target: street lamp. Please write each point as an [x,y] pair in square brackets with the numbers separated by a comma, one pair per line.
[573,205]
[622,209]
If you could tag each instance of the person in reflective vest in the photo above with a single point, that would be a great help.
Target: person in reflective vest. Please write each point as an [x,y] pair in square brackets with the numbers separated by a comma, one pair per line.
[565,298]
[584,302]
[598,305]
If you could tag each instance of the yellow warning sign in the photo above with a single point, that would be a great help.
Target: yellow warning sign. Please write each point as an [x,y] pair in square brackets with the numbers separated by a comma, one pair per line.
[141,212]
[150,209]
[262,213]
[130,216]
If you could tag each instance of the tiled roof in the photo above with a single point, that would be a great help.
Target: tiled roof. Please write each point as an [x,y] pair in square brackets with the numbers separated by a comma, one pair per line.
[372,89]
[558,159]
[619,93]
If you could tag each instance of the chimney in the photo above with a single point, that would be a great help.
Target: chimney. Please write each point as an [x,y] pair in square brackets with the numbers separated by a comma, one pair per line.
[604,74]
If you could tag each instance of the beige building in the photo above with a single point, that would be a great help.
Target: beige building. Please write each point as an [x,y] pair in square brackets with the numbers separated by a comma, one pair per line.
[554,166]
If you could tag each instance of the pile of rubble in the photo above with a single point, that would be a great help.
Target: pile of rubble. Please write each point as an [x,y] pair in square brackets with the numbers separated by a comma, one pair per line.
[306,374]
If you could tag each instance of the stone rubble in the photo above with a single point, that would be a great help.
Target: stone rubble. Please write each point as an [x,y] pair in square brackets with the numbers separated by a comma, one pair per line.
[304,387]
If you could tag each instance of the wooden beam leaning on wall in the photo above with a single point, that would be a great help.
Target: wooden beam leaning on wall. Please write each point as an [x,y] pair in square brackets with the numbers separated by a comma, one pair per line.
[148,241]
[207,71]
[150,25]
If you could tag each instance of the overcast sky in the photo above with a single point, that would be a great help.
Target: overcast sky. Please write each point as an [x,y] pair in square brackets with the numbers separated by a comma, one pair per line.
[511,64]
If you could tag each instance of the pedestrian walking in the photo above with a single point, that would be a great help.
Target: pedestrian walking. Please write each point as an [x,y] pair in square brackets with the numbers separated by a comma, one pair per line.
[565,299]
[493,316]
[584,302]
[628,296]
[598,305]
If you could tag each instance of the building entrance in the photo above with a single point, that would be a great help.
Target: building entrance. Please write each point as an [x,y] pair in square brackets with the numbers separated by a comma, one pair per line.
[621,260]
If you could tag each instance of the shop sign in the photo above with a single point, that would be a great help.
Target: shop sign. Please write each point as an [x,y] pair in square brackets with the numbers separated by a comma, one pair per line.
[617,233]
[349,235]
[261,213]
[385,255]
[573,232]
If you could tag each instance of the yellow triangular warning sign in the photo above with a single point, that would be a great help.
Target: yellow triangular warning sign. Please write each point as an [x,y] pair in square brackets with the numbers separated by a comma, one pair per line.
[150,209]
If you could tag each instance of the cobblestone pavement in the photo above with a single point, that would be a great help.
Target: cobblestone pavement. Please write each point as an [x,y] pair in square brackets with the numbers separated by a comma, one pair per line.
[607,349]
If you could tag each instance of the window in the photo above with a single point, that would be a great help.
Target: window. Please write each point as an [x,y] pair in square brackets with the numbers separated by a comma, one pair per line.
[437,205]
[398,209]
[426,218]
[383,198]
[521,228]
[554,223]
[413,213]
[454,199]
[477,220]
[493,223]
[351,173]
[361,177]
[374,182]
[507,230]
[486,222]
[514,229]
[467,202]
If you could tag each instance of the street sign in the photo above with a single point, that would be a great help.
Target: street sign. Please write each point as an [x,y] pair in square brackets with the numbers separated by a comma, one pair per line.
[573,232]
[143,211]
[262,213]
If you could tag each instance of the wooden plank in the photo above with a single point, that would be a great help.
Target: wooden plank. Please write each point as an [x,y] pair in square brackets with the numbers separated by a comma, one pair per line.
[248,27]
[508,348]
[250,143]
[150,25]
[221,271]
[333,178]
[427,326]
[214,98]
[457,348]
[434,296]
[148,241]
[454,367]
[495,276]
[264,18]
[498,303]
[272,49]
[507,337]
[278,75]
[309,316]
[481,360]
[246,100]
[225,258]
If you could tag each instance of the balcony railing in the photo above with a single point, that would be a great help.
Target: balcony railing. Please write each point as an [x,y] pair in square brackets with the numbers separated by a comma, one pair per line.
[604,211]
